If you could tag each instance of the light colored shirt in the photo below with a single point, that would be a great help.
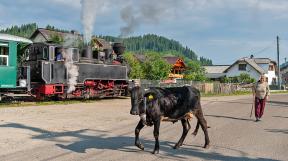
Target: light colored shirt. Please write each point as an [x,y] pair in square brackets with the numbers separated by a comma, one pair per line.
[261,90]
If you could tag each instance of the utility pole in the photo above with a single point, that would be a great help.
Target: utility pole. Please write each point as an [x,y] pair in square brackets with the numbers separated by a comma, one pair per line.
[278,62]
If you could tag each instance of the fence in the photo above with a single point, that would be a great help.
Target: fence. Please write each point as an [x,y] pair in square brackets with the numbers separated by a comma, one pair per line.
[213,88]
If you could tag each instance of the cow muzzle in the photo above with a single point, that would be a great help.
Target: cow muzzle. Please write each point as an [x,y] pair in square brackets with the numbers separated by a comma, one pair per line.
[133,112]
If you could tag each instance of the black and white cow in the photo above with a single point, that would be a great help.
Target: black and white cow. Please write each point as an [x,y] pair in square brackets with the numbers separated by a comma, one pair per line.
[172,103]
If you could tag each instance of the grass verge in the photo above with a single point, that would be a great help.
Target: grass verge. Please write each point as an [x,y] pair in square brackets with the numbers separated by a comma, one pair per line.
[44,103]
[237,93]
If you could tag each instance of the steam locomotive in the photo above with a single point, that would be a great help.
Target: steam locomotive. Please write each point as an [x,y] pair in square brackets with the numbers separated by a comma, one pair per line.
[77,73]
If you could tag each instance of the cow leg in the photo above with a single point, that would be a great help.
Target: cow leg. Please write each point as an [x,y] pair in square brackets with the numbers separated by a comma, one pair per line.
[196,129]
[203,124]
[156,135]
[186,127]
[137,131]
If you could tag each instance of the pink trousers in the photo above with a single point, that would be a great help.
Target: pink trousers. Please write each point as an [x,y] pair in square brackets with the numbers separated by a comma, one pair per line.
[259,107]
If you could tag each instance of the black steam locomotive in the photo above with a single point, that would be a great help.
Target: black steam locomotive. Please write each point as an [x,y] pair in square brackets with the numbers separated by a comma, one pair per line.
[66,72]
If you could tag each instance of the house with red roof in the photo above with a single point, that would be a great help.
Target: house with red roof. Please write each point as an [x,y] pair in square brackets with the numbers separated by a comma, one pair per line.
[178,67]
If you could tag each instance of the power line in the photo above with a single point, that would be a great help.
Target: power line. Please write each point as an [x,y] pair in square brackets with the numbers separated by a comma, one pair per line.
[269,46]
[262,50]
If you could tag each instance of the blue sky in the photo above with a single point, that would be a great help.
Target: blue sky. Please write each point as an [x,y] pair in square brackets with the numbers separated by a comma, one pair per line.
[222,30]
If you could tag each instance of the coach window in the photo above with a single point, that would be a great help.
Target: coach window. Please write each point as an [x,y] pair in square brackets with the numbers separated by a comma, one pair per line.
[4,54]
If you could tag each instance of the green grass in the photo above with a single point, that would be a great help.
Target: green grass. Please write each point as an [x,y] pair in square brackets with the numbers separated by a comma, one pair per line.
[239,93]
[44,103]
[279,92]
[233,94]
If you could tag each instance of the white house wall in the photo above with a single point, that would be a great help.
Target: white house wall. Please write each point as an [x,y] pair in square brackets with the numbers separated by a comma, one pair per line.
[234,71]
[270,75]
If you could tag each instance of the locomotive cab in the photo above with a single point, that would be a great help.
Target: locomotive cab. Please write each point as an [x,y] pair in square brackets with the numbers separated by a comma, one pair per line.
[47,62]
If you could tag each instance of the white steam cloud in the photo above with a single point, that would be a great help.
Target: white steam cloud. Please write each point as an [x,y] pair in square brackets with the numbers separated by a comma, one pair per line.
[72,69]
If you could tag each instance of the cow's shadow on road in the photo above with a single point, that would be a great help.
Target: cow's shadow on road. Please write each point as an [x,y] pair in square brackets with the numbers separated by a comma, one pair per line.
[230,117]
[94,139]
[281,131]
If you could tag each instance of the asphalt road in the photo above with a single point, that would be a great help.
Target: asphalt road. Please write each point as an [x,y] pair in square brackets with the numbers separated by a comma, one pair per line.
[104,130]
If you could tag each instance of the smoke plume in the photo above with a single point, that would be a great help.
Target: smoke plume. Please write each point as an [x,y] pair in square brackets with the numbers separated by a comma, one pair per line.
[89,11]
[145,12]
[133,13]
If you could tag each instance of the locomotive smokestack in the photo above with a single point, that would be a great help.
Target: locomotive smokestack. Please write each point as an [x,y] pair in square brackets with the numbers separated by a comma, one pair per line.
[118,48]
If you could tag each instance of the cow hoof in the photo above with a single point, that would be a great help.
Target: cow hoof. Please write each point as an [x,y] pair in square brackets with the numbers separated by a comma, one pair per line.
[140,146]
[194,133]
[206,146]
[177,146]
[155,152]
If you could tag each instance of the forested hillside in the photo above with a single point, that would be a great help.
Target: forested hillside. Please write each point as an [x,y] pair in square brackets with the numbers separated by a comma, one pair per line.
[23,30]
[139,44]
[159,44]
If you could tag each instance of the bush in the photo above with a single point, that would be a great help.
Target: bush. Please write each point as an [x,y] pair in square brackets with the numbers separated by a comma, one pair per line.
[242,78]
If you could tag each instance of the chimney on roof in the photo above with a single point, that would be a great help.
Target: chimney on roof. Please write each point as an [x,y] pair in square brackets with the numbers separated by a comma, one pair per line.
[251,56]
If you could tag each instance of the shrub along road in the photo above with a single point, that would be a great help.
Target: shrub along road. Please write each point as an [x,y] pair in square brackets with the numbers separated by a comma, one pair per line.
[104,130]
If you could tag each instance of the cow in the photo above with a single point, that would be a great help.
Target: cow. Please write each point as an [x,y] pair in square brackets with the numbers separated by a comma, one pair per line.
[172,104]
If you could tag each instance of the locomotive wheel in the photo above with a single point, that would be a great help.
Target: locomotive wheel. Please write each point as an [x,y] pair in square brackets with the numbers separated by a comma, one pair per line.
[7,99]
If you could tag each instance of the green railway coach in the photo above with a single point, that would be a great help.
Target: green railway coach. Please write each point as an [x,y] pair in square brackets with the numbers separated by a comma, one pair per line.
[9,79]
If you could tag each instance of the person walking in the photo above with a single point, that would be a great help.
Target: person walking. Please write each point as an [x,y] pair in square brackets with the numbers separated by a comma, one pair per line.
[261,93]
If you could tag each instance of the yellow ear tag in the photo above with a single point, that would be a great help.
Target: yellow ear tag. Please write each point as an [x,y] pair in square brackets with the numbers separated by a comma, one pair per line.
[150,97]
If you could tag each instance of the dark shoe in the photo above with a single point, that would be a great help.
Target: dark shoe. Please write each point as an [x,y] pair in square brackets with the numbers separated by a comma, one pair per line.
[257,119]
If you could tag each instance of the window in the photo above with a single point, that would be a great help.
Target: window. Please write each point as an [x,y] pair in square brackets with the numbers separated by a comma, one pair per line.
[3,60]
[45,53]
[242,67]
[4,55]
[51,52]
[38,52]
[75,56]
[27,54]
[271,67]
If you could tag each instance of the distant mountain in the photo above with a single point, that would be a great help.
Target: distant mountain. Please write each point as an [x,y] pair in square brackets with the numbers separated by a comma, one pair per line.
[139,44]
[159,44]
